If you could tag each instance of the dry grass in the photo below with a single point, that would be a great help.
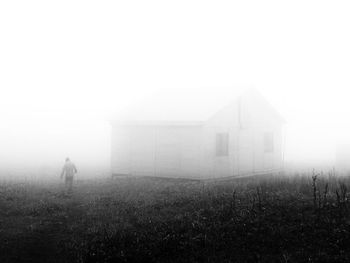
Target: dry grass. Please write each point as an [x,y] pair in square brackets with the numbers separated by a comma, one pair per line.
[297,218]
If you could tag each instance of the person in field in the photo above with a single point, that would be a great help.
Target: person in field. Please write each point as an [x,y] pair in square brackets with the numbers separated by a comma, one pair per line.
[68,170]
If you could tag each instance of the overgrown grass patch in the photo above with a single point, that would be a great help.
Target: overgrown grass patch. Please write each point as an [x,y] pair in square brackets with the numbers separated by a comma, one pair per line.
[266,219]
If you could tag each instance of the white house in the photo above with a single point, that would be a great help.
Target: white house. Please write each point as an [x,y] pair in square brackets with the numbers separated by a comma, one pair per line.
[243,138]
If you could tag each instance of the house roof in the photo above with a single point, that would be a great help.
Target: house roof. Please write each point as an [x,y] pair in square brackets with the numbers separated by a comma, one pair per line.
[183,108]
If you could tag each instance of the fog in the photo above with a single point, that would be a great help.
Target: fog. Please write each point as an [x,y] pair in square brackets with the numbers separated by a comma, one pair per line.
[68,68]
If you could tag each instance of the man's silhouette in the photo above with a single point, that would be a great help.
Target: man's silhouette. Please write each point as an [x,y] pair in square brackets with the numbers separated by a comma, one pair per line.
[68,171]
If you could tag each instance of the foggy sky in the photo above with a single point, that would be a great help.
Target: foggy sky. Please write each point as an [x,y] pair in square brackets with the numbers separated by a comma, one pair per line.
[67,68]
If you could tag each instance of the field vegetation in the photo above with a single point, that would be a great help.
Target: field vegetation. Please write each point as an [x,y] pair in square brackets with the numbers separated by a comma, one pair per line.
[299,218]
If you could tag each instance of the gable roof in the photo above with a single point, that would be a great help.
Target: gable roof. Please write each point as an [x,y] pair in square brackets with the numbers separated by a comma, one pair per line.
[185,109]
[267,105]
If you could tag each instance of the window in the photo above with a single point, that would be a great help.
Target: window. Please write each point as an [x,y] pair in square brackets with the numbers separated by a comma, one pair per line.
[268,142]
[222,144]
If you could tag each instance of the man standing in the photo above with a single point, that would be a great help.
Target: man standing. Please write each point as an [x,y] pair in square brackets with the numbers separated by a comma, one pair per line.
[68,170]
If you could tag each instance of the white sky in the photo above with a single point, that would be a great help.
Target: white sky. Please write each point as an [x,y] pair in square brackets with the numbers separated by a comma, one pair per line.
[66,67]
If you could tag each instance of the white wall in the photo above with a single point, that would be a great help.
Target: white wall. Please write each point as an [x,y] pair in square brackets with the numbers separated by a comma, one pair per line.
[157,151]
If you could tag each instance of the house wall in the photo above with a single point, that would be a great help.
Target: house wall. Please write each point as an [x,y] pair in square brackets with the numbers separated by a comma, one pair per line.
[156,150]
[246,152]
[191,152]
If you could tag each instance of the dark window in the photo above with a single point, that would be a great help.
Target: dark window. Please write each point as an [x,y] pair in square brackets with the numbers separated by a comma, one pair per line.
[268,142]
[222,144]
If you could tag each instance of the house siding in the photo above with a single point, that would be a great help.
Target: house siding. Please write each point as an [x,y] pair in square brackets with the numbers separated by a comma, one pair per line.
[190,150]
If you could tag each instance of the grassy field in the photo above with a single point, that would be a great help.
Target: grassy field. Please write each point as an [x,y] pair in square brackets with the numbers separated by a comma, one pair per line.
[265,219]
